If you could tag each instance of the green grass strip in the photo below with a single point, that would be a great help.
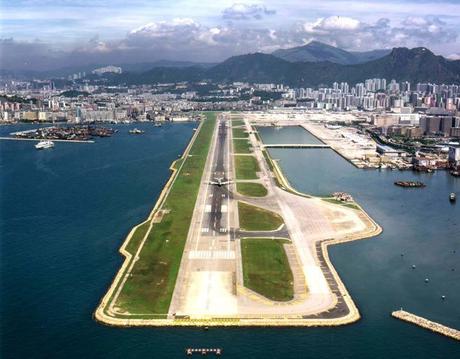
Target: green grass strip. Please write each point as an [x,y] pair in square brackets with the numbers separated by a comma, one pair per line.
[237,122]
[268,159]
[241,146]
[137,237]
[150,286]
[266,268]
[254,218]
[251,189]
[240,133]
[246,167]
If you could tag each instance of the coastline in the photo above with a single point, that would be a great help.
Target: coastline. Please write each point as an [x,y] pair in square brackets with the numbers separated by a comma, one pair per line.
[107,299]
[106,315]
[373,229]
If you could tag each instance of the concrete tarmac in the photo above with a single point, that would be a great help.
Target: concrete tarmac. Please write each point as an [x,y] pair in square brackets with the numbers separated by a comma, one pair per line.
[210,281]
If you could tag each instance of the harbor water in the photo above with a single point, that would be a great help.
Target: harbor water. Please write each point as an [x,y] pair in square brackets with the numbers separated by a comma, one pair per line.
[65,212]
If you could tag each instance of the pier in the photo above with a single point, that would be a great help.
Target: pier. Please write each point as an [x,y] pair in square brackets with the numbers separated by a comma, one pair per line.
[427,324]
[296,145]
[203,351]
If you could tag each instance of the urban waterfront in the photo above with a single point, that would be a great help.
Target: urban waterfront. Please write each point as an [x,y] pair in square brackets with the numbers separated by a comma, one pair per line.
[65,213]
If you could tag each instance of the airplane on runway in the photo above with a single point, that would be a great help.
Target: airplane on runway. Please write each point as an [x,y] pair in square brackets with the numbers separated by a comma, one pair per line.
[220,182]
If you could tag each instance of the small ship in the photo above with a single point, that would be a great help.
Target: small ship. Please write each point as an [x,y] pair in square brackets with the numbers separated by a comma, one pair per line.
[136,131]
[410,184]
[452,197]
[44,144]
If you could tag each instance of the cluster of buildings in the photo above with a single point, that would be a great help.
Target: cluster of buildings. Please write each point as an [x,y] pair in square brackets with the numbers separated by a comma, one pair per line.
[375,95]
[98,107]
[398,109]
[415,126]
[431,122]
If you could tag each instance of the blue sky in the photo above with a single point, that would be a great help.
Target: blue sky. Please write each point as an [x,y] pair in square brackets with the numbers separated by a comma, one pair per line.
[102,30]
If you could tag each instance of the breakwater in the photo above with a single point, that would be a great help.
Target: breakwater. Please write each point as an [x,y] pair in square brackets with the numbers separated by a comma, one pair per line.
[427,324]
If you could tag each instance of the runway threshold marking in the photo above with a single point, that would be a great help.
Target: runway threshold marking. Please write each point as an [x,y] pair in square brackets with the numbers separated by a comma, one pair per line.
[211,254]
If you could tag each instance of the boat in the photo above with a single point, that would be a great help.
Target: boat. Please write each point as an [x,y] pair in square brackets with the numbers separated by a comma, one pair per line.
[44,144]
[136,131]
[452,197]
[157,124]
[455,173]
[409,184]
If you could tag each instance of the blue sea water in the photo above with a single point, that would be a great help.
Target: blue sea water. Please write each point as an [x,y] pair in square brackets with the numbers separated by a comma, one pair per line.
[65,212]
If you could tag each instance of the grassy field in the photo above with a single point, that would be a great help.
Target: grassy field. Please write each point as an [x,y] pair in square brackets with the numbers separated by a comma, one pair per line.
[137,237]
[246,167]
[266,268]
[240,133]
[149,288]
[254,218]
[268,160]
[237,122]
[251,189]
[241,146]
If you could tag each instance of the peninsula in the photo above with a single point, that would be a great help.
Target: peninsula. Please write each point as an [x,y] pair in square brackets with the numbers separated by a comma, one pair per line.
[231,243]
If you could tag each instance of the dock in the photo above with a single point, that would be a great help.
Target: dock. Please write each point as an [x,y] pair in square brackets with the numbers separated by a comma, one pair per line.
[295,145]
[203,351]
[427,324]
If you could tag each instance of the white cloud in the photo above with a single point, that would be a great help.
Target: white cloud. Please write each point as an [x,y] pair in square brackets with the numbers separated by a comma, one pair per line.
[351,33]
[187,38]
[338,23]
[165,28]
[454,56]
[240,11]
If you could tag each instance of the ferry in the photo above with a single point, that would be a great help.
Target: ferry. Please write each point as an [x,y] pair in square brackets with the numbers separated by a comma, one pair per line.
[452,197]
[44,144]
[136,131]
[410,184]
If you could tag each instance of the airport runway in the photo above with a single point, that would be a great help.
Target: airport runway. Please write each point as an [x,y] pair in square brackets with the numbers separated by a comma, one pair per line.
[210,280]
[206,281]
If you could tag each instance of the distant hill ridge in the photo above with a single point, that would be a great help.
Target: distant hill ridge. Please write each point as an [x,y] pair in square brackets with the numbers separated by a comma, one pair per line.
[316,51]
[402,64]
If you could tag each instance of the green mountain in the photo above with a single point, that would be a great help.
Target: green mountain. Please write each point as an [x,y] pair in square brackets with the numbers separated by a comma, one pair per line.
[402,64]
[316,51]
[415,65]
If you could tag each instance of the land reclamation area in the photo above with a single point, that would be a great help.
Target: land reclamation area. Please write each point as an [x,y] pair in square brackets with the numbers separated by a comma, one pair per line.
[265,267]
[253,243]
[154,250]
[254,218]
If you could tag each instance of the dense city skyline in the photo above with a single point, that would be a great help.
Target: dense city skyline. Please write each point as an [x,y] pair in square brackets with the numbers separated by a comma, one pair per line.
[56,33]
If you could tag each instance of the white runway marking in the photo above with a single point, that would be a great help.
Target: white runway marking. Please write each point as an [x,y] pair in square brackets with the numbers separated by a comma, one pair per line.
[211,255]
[317,283]
[210,293]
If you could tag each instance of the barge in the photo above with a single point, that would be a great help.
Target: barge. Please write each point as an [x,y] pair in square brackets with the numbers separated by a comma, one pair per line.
[409,184]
